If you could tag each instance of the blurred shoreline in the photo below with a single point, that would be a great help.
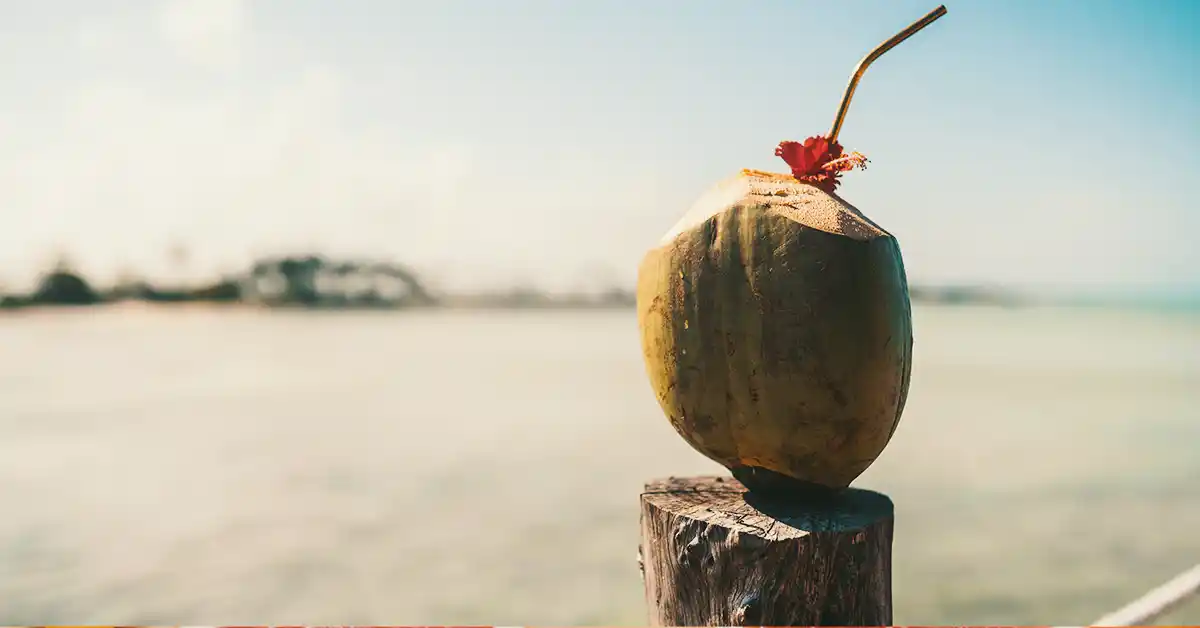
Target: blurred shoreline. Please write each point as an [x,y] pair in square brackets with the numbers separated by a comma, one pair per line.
[322,283]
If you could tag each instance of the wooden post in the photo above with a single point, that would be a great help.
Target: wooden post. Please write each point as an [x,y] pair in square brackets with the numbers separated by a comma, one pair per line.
[714,555]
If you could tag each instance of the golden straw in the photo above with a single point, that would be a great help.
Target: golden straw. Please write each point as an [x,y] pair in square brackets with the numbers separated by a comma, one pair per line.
[871,57]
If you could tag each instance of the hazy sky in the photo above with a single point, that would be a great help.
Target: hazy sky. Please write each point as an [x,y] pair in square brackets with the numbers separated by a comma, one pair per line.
[1020,142]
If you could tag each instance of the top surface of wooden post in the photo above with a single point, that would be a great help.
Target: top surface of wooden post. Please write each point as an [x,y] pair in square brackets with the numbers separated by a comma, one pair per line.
[715,554]
[725,501]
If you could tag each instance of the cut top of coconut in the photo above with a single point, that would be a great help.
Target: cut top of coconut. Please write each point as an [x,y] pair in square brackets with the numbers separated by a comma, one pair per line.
[783,194]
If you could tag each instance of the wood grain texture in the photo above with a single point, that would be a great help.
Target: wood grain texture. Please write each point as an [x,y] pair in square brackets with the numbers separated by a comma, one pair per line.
[714,555]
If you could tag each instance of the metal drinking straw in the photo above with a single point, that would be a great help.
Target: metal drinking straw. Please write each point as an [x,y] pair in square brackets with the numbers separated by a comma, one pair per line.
[871,57]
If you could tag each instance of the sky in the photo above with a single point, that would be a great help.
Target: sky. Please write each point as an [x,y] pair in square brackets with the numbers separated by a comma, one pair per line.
[1023,143]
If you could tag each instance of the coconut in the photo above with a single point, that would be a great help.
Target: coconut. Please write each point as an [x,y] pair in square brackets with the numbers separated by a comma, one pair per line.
[775,320]
[777,334]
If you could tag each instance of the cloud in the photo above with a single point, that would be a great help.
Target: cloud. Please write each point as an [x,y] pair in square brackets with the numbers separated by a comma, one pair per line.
[444,175]
[96,36]
[136,159]
[211,34]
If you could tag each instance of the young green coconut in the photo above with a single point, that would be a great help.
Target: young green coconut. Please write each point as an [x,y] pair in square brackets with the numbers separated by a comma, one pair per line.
[775,320]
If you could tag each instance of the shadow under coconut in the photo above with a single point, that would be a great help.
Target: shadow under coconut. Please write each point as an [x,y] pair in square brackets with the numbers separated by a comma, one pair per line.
[811,507]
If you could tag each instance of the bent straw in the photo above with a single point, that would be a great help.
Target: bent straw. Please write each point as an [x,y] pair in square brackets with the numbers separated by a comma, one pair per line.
[870,58]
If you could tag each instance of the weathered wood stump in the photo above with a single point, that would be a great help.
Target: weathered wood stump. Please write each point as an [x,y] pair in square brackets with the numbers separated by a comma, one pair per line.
[715,555]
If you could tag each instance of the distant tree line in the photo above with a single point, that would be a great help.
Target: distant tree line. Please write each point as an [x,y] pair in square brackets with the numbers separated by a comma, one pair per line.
[310,281]
[306,280]
[317,281]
